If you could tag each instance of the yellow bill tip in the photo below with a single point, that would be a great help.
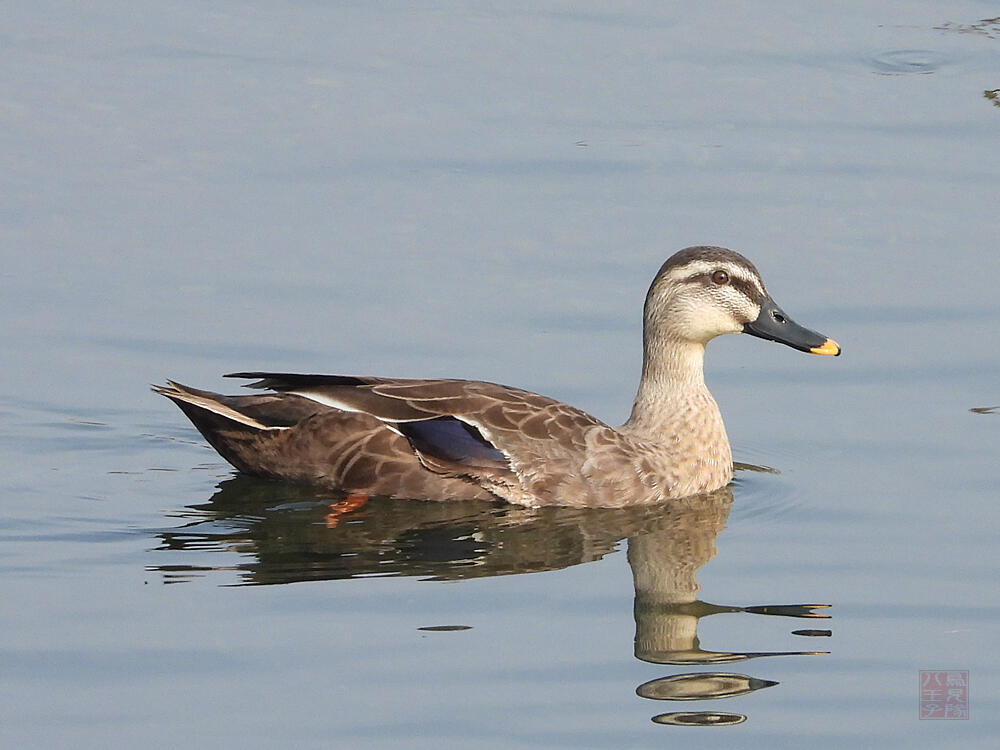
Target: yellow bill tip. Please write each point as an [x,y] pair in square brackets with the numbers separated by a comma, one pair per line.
[829,346]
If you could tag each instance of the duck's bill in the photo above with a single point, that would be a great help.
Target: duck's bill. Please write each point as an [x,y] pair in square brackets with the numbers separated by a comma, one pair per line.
[774,325]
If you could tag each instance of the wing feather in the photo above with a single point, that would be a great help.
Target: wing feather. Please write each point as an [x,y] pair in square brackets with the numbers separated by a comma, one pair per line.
[478,429]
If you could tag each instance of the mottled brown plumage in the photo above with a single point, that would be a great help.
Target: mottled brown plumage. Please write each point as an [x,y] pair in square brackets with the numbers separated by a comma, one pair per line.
[459,439]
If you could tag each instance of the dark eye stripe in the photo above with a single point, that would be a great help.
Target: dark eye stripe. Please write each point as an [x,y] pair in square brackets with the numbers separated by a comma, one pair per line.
[749,290]
[746,288]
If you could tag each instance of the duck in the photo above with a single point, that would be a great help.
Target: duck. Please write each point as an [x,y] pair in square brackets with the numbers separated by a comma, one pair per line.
[448,439]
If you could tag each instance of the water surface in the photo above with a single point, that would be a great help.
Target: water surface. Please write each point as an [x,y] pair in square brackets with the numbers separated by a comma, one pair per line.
[471,191]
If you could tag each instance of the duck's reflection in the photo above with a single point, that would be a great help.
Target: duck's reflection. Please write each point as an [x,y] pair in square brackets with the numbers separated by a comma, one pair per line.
[288,534]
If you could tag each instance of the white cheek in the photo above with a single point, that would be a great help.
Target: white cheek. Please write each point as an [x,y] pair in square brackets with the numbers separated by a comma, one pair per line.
[748,311]
[708,322]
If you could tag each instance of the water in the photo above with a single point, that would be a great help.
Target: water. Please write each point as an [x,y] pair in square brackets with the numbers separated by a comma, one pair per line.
[485,192]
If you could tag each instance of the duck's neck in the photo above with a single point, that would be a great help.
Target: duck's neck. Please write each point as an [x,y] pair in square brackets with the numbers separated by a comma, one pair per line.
[672,391]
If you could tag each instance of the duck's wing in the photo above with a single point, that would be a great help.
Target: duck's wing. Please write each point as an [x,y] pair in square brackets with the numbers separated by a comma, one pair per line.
[477,429]
[285,436]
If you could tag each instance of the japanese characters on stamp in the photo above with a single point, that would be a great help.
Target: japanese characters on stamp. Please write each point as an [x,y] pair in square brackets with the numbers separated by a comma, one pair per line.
[944,694]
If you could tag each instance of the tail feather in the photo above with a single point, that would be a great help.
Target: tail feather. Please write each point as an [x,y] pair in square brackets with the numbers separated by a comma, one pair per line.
[235,435]
[206,401]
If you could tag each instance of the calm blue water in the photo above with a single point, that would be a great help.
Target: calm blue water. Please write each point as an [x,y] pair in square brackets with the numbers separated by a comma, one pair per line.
[476,191]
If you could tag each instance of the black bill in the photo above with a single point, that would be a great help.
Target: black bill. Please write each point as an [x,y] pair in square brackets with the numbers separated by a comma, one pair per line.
[772,324]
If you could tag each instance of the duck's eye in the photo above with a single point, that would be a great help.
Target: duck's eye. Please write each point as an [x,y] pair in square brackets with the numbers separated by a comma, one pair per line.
[720,277]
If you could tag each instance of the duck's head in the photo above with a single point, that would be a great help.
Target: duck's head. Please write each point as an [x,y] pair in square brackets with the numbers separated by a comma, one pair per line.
[704,292]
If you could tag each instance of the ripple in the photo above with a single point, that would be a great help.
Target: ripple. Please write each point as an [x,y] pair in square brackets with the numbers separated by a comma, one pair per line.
[700,719]
[813,633]
[762,498]
[444,628]
[701,686]
[905,61]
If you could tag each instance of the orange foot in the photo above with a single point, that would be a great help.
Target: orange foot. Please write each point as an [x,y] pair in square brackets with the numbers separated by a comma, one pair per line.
[344,507]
